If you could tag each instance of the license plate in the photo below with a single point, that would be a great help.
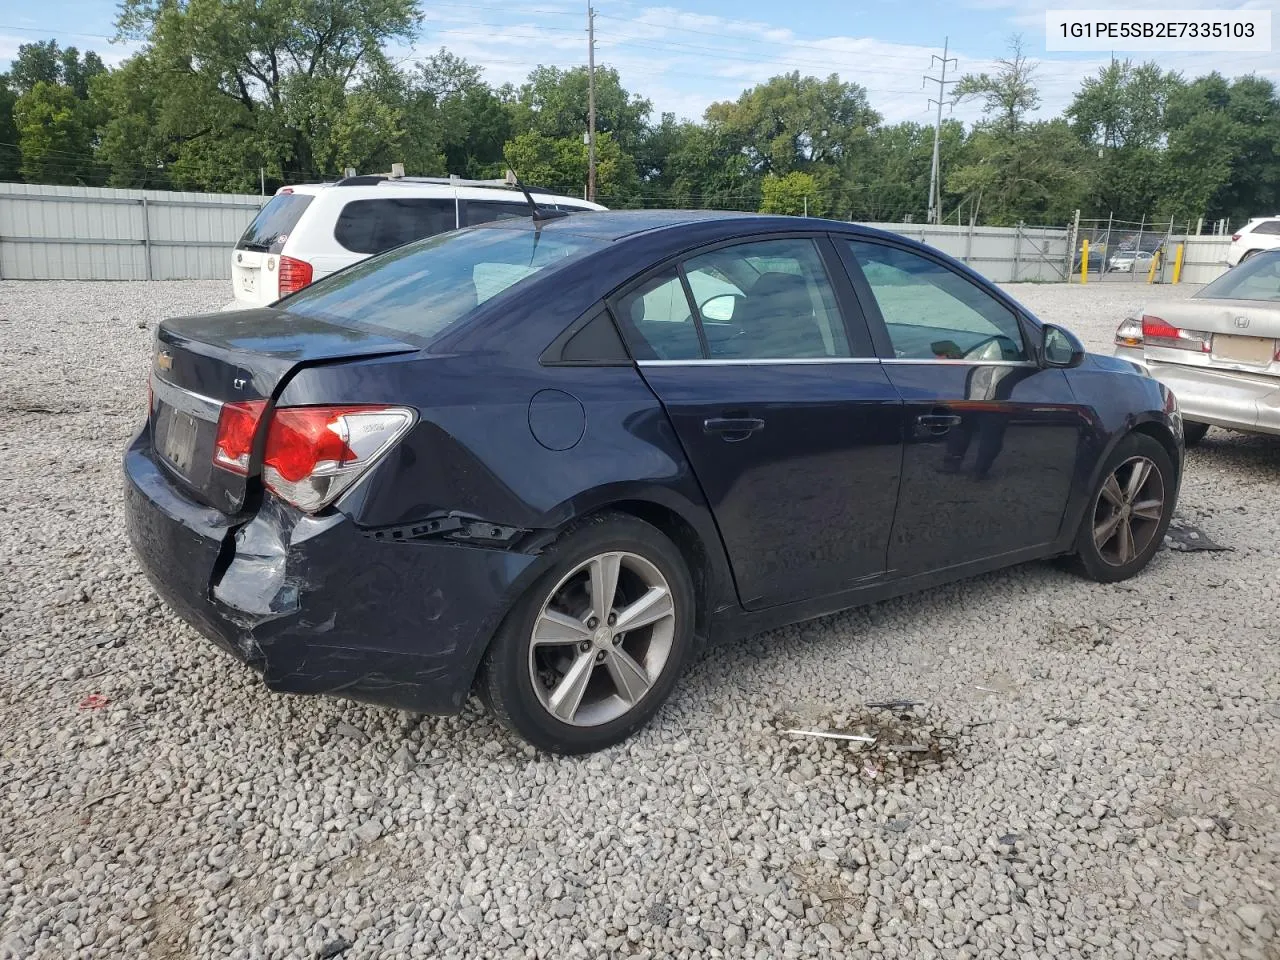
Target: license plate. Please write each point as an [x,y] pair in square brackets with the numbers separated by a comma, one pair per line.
[1257,350]
[247,282]
[180,440]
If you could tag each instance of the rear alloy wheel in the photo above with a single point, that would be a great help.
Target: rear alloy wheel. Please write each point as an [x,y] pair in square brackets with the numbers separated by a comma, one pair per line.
[593,648]
[1130,511]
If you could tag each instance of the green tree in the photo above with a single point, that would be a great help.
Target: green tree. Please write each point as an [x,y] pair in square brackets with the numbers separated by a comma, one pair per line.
[251,83]
[794,123]
[454,121]
[553,103]
[794,194]
[1009,94]
[561,164]
[10,156]
[1121,114]
[54,135]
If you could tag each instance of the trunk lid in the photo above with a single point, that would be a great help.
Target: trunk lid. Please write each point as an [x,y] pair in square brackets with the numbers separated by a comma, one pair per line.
[1244,335]
[204,362]
[251,280]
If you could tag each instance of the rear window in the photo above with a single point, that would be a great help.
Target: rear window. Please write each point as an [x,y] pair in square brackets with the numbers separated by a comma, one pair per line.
[1257,278]
[422,288]
[375,226]
[274,222]
[1271,227]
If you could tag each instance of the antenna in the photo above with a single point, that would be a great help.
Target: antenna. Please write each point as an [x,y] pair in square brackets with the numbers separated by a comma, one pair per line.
[538,213]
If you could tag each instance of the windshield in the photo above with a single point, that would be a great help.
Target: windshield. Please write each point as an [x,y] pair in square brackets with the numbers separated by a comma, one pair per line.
[1257,278]
[423,287]
[271,227]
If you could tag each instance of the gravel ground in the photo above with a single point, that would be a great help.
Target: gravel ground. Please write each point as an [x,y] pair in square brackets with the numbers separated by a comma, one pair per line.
[1101,775]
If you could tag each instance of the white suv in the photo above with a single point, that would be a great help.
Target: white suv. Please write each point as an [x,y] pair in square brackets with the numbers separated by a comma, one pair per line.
[307,232]
[1260,233]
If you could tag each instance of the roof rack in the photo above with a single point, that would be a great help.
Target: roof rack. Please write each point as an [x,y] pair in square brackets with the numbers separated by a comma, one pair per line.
[397,176]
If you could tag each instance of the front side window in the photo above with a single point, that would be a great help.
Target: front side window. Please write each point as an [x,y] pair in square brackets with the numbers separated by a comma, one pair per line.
[374,226]
[933,313]
[424,287]
[767,300]
[486,211]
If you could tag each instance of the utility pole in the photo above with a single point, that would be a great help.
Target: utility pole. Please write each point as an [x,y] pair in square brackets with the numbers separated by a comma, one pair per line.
[591,103]
[935,185]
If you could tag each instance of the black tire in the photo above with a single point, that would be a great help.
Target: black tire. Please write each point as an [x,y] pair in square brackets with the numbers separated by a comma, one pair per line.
[1104,564]
[507,681]
[1193,432]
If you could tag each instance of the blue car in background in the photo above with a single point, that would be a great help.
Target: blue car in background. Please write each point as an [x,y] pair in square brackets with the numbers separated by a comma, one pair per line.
[541,459]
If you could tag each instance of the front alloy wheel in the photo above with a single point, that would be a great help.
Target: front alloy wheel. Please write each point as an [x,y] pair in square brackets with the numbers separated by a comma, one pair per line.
[1128,511]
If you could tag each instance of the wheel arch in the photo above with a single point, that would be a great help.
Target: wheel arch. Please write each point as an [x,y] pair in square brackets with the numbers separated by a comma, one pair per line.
[688,526]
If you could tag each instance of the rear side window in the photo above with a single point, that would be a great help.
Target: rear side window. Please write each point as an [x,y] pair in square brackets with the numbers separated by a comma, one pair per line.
[658,320]
[1271,227]
[274,222]
[373,226]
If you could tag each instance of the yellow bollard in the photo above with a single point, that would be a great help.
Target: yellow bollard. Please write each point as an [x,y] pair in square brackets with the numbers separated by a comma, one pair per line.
[1084,262]
[1155,263]
[1177,264]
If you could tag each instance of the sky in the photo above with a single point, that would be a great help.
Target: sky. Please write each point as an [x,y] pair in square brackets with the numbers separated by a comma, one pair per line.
[683,56]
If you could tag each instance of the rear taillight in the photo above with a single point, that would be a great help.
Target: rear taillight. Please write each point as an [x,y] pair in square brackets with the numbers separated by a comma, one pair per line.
[237,425]
[1236,236]
[294,275]
[1160,333]
[313,454]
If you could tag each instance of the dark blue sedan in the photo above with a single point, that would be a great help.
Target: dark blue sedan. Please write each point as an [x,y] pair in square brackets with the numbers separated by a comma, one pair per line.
[540,460]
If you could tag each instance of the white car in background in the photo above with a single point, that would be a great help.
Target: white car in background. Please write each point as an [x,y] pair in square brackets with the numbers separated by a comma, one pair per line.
[308,231]
[1260,233]
[1130,261]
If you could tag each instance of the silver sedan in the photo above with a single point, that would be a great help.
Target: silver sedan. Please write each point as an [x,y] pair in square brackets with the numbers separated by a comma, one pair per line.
[1219,351]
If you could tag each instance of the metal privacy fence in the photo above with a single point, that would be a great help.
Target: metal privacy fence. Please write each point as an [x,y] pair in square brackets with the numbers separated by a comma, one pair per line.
[1002,254]
[98,233]
[92,233]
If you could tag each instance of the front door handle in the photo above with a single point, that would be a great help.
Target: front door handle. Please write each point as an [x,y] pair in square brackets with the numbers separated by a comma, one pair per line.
[733,429]
[938,423]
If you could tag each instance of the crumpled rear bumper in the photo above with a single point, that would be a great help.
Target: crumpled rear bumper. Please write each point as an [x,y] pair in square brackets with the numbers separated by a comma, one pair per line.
[317,605]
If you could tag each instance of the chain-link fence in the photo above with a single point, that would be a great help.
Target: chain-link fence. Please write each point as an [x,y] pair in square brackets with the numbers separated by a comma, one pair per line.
[1136,251]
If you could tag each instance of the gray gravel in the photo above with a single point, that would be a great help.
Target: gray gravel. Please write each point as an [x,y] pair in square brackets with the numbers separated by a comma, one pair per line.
[1100,772]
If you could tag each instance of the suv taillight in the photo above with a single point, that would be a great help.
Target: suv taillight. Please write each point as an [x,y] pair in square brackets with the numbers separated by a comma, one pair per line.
[1236,236]
[312,454]
[294,275]
[1161,333]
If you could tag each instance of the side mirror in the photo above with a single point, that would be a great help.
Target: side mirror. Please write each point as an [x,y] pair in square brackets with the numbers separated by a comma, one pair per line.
[1060,348]
[720,308]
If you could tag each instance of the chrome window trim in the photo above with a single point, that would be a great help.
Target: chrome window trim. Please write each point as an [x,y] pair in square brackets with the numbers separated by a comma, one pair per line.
[964,363]
[753,361]
[198,405]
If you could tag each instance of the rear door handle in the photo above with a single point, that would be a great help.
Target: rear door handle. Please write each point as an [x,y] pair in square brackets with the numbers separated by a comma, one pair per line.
[733,428]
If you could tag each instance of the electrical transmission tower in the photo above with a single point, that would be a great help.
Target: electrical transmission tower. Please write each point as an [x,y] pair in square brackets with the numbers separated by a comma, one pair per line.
[935,185]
